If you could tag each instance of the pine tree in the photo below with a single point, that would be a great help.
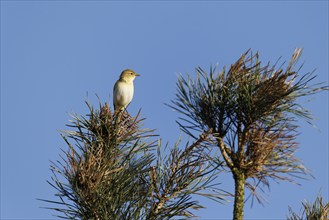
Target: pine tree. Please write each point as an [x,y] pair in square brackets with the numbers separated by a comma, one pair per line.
[251,111]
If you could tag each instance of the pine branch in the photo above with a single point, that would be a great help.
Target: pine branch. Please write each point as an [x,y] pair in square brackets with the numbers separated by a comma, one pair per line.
[108,171]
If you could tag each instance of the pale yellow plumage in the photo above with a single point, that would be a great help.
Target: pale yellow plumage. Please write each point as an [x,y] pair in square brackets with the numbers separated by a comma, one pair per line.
[123,90]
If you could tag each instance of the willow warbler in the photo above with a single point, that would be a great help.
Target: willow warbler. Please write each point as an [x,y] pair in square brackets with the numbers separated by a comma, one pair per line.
[123,90]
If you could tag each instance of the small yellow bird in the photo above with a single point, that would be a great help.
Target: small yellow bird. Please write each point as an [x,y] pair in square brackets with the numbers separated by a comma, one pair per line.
[123,90]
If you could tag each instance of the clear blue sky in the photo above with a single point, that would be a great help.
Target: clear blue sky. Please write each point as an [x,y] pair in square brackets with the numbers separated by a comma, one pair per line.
[55,52]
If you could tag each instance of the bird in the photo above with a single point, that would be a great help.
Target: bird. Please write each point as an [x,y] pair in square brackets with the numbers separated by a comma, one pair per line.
[123,90]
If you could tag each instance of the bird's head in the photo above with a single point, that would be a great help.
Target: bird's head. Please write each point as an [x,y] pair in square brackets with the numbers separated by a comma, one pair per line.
[128,75]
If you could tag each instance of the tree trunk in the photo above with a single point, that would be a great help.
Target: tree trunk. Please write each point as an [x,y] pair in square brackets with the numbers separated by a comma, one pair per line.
[239,180]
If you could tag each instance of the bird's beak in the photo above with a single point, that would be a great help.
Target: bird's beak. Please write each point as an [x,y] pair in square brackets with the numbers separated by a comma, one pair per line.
[137,74]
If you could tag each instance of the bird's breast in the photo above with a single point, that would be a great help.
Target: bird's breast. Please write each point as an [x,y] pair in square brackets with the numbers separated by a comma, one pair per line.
[123,93]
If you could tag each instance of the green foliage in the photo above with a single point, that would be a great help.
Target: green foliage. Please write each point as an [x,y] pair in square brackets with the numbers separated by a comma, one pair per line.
[316,211]
[110,171]
[179,175]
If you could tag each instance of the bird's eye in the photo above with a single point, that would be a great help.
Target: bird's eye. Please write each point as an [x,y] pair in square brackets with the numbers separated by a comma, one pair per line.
[131,73]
